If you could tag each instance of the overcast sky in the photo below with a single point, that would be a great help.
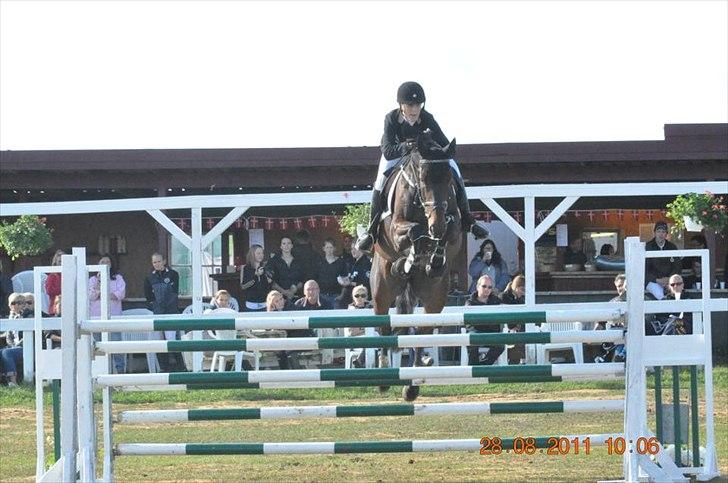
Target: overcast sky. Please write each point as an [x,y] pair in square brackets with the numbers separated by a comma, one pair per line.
[134,75]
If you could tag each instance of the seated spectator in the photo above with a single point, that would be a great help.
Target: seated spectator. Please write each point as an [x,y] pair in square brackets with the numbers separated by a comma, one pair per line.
[331,273]
[54,336]
[221,300]
[11,350]
[694,280]
[574,254]
[286,272]
[360,296]
[311,299]
[255,279]
[53,282]
[484,295]
[515,294]
[276,302]
[683,320]
[488,261]
[308,259]
[607,250]
[609,352]
[658,270]
[695,242]
[358,274]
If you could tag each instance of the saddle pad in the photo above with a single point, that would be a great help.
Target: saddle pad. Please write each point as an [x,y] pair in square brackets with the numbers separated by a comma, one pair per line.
[389,188]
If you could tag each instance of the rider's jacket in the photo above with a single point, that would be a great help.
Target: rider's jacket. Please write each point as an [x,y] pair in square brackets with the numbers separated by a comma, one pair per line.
[397,131]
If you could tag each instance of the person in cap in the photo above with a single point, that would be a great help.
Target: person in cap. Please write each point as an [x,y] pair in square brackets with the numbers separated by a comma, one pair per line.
[402,127]
[658,270]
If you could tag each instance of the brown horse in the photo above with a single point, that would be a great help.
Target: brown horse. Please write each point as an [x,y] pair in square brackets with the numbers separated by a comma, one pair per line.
[419,239]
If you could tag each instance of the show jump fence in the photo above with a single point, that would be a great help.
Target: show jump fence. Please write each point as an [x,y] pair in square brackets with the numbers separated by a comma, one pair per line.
[78,431]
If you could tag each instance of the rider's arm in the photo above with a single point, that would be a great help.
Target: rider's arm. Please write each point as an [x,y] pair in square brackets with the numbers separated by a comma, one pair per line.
[437,135]
[391,147]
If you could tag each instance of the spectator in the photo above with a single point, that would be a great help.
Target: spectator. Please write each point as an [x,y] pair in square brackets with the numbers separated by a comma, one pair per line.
[358,274]
[286,272]
[11,351]
[607,250]
[484,295]
[695,242]
[658,270]
[255,279]
[276,302]
[694,280]
[610,352]
[6,288]
[117,293]
[311,299]
[488,261]
[53,282]
[307,257]
[346,251]
[360,296]
[574,254]
[683,321]
[54,335]
[161,288]
[515,294]
[331,273]
[221,300]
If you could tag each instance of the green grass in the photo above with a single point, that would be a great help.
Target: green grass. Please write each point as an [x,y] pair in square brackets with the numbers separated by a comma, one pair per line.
[17,434]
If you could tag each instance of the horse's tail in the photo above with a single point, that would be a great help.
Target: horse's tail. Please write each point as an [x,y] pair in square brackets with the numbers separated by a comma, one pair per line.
[406,301]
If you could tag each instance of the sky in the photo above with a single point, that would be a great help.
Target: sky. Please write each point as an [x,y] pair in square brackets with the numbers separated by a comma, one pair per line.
[185,74]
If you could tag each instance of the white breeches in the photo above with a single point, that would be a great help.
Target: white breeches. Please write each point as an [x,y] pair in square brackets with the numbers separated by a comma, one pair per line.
[385,165]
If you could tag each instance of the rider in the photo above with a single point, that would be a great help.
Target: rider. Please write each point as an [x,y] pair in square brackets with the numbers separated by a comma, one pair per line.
[402,127]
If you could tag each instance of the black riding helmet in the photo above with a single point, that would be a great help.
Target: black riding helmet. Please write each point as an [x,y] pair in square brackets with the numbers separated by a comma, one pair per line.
[410,93]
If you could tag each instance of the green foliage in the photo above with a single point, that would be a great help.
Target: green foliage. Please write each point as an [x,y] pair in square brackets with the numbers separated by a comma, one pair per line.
[707,209]
[355,215]
[27,236]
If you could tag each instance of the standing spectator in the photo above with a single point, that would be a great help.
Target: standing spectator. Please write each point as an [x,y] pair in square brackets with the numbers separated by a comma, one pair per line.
[358,274]
[488,261]
[484,295]
[346,251]
[6,288]
[161,288]
[658,270]
[53,283]
[331,273]
[255,279]
[286,272]
[308,259]
[574,253]
[117,293]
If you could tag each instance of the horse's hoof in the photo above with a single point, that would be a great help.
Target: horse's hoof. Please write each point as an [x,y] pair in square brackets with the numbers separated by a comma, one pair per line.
[383,389]
[410,393]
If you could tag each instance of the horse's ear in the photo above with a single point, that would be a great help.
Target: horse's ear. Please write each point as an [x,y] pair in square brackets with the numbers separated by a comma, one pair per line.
[450,151]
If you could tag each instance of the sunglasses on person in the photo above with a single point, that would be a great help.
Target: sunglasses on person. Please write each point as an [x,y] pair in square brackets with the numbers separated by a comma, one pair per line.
[486,286]
[676,284]
[360,296]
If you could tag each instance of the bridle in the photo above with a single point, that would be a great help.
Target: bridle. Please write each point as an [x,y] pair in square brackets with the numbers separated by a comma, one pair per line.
[429,207]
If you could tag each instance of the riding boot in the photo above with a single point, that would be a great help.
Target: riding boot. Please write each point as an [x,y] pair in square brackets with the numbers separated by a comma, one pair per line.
[366,242]
[468,222]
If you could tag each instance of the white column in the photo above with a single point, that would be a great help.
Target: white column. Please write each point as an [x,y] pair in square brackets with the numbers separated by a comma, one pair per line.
[69,334]
[529,242]
[39,407]
[196,252]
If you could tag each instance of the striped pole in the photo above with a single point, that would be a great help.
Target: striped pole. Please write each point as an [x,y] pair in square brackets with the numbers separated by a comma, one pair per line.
[417,446]
[300,412]
[395,342]
[394,321]
[382,374]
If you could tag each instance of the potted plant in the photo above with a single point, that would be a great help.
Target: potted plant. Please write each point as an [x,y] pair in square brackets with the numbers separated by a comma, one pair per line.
[355,219]
[27,236]
[693,212]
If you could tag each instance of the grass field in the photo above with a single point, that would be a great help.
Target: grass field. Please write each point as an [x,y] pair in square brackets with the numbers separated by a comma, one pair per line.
[17,435]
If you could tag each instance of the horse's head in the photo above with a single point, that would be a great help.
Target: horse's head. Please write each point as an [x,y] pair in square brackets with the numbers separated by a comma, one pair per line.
[432,169]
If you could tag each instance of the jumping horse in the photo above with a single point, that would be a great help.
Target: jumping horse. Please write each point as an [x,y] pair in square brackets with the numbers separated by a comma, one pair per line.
[417,242]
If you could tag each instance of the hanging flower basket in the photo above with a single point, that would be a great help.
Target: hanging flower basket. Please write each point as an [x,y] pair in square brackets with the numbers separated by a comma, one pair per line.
[693,212]
[692,225]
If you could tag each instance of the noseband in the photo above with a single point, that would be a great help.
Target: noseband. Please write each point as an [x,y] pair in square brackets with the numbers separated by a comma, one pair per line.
[429,207]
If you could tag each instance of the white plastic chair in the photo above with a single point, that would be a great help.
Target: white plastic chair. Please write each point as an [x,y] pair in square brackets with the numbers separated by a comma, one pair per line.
[464,359]
[220,358]
[351,354]
[542,350]
[152,360]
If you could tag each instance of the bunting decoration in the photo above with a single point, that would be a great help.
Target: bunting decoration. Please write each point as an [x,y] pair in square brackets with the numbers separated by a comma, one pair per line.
[590,214]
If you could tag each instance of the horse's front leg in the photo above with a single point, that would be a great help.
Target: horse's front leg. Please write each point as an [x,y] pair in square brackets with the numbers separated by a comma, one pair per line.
[405,236]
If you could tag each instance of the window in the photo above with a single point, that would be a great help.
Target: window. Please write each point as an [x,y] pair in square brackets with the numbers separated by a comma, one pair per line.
[595,239]
[180,259]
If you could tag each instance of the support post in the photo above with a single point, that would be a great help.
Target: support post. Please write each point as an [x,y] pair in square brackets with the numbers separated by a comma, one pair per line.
[196,252]
[69,335]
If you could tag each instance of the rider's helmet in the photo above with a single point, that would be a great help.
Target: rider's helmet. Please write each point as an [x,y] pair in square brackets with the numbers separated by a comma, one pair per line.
[410,93]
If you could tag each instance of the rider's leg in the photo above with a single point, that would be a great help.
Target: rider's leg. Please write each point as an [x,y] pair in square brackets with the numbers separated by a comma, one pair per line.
[468,222]
[366,242]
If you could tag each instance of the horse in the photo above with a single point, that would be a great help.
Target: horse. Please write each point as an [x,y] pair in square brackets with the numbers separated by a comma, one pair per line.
[417,241]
